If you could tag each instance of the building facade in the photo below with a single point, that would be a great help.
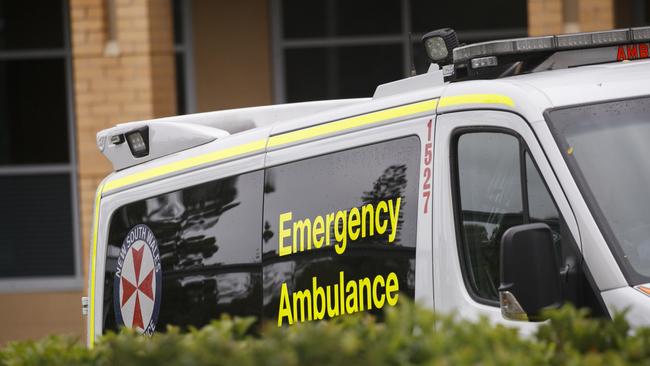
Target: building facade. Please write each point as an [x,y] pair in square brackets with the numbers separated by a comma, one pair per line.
[69,68]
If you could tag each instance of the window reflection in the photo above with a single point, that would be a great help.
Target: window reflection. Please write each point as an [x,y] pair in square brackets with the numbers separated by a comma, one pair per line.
[341,181]
[209,241]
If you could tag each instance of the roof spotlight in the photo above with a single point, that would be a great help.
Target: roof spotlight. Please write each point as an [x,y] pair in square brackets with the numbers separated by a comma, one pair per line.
[440,44]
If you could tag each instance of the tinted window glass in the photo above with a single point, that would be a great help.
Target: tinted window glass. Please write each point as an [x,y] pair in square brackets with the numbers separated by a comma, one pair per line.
[321,18]
[177,7]
[541,207]
[470,16]
[209,241]
[340,72]
[352,215]
[489,179]
[490,176]
[605,146]
[33,115]
[25,24]
[181,108]
[36,242]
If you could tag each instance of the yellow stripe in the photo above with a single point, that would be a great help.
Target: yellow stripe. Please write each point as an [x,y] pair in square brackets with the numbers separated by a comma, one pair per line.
[353,122]
[475,99]
[91,312]
[185,164]
[282,139]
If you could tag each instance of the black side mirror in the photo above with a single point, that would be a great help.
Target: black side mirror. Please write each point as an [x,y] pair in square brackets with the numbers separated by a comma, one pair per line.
[530,272]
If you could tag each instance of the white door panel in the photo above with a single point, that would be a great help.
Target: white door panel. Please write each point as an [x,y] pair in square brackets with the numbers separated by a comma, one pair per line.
[452,294]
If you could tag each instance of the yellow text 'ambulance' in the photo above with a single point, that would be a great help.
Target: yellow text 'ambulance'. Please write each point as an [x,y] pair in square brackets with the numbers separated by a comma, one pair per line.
[345,297]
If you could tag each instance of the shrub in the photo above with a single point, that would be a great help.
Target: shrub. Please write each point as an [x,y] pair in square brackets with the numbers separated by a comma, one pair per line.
[408,335]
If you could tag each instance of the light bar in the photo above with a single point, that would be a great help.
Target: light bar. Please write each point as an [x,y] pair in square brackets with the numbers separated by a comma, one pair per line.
[533,44]
[640,34]
[610,37]
[550,43]
[480,62]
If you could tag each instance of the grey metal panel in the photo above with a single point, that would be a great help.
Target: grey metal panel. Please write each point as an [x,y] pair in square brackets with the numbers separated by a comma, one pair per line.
[188,55]
[50,283]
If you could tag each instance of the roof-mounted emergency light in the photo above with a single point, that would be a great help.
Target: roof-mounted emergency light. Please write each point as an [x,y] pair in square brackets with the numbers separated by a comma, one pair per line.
[514,56]
[439,45]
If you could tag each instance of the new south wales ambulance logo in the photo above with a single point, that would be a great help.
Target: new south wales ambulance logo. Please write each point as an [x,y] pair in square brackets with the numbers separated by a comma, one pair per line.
[138,281]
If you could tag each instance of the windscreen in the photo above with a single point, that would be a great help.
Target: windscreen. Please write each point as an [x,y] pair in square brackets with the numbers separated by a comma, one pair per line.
[607,148]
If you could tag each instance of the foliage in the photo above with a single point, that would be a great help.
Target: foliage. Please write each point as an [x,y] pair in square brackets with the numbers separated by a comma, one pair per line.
[408,335]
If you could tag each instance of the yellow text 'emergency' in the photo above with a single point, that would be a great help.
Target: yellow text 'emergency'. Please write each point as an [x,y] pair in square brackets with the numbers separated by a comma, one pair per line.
[366,221]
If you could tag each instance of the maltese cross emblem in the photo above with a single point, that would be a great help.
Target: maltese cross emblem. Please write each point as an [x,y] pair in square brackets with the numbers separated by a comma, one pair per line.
[138,281]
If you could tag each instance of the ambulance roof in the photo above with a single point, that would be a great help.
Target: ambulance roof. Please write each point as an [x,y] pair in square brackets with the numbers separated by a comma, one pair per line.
[590,83]
[530,95]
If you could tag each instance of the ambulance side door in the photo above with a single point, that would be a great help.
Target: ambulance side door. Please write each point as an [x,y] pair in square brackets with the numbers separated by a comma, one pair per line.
[491,174]
[312,188]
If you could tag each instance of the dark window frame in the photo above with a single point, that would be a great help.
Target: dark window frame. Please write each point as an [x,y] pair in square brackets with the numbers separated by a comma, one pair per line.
[184,51]
[406,38]
[53,283]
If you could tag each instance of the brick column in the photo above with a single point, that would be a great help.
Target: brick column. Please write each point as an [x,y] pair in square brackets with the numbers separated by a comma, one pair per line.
[545,17]
[594,15]
[132,81]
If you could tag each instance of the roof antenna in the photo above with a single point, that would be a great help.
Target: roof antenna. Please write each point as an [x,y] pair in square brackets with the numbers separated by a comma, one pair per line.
[411,57]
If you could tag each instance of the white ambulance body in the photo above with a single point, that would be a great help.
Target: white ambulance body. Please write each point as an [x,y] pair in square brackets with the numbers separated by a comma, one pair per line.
[486,197]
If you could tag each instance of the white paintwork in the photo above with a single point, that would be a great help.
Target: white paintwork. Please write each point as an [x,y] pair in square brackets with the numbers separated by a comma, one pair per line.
[164,139]
[636,305]
[439,282]
[425,81]
[447,270]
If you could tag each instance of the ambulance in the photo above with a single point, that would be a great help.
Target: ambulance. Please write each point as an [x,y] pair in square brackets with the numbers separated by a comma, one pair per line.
[512,177]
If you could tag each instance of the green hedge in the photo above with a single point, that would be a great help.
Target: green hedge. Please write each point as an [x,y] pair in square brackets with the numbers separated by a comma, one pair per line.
[409,335]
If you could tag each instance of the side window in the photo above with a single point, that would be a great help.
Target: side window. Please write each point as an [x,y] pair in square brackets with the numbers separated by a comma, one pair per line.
[499,186]
[340,232]
[489,185]
[541,207]
[208,242]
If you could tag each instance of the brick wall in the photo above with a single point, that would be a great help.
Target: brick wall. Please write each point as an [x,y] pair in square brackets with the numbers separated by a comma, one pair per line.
[547,17]
[596,15]
[135,83]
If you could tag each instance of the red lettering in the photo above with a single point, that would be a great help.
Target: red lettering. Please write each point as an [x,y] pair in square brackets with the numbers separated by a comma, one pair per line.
[428,159]
[632,52]
[643,50]
[621,54]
